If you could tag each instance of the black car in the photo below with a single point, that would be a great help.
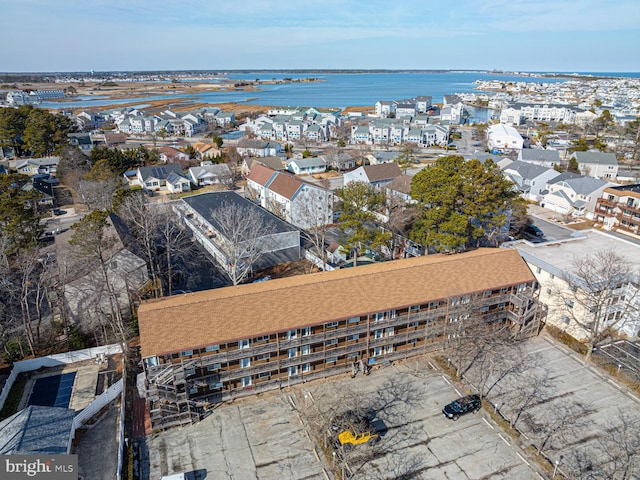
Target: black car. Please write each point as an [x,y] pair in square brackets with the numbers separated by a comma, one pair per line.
[531,229]
[470,403]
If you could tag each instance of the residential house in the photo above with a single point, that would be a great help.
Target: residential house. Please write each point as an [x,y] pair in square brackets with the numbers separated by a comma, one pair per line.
[306,166]
[385,108]
[274,163]
[207,150]
[38,430]
[172,155]
[34,166]
[399,189]
[573,194]
[261,336]
[553,264]
[162,177]
[618,209]
[379,157]
[7,152]
[201,213]
[81,140]
[538,156]
[259,148]
[91,298]
[339,161]
[300,203]
[530,179]
[210,174]
[504,138]
[597,164]
[377,175]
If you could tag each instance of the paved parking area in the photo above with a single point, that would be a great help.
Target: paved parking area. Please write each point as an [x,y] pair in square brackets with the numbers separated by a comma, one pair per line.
[573,382]
[272,436]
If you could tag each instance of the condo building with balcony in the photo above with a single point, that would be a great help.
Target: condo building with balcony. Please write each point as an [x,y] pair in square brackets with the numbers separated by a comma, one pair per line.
[212,346]
[619,209]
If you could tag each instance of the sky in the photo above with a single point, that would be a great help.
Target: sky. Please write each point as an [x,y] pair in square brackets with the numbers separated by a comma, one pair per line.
[512,35]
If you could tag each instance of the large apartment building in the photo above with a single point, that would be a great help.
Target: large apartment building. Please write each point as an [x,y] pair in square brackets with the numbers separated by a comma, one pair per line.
[203,348]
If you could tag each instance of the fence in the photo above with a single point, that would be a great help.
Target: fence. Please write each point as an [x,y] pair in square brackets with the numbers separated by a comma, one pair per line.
[94,407]
[54,361]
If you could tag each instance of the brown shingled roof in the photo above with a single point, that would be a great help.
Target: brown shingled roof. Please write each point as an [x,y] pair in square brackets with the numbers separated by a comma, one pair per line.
[401,183]
[285,185]
[382,171]
[260,174]
[244,311]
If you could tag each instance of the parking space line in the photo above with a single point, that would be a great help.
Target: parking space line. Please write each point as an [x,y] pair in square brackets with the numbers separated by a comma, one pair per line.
[539,476]
[523,459]
[445,379]
[504,439]
[485,421]
[432,366]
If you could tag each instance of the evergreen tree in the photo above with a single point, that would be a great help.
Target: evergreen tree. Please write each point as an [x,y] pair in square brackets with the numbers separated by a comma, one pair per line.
[460,203]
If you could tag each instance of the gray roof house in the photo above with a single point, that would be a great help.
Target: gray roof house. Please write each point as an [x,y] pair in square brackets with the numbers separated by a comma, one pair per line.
[573,194]
[162,177]
[218,173]
[531,179]
[539,156]
[38,430]
[597,164]
[306,166]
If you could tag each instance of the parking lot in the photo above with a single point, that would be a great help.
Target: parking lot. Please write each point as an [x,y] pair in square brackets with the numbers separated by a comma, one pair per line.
[276,435]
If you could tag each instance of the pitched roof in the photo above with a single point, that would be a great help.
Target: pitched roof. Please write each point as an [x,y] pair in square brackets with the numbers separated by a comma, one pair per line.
[540,155]
[402,184]
[285,185]
[228,314]
[599,158]
[161,172]
[526,170]
[37,430]
[260,174]
[382,171]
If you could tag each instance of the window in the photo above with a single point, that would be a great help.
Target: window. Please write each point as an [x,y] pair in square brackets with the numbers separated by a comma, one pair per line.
[214,367]
[354,320]
[332,359]
[264,338]
[353,338]
[414,324]
[352,355]
[212,348]
[193,390]
[306,331]
[246,381]
[390,332]
[433,304]
[292,334]
[331,343]
[306,349]
[264,356]
[380,316]
[187,353]
[245,362]
[569,303]
[242,344]
[331,325]
[215,386]
[377,333]
[565,320]
[189,371]
[292,352]
[306,367]
[293,370]
[264,375]
[485,309]
[377,351]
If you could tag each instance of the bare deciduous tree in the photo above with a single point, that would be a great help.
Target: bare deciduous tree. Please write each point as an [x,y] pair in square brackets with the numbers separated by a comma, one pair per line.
[600,294]
[243,239]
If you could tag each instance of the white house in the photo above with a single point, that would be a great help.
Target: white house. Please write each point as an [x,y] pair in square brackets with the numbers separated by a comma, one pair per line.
[210,174]
[162,177]
[300,203]
[531,179]
[377,175]
[306,166]
[597,164]
[573,194]
[504,138]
